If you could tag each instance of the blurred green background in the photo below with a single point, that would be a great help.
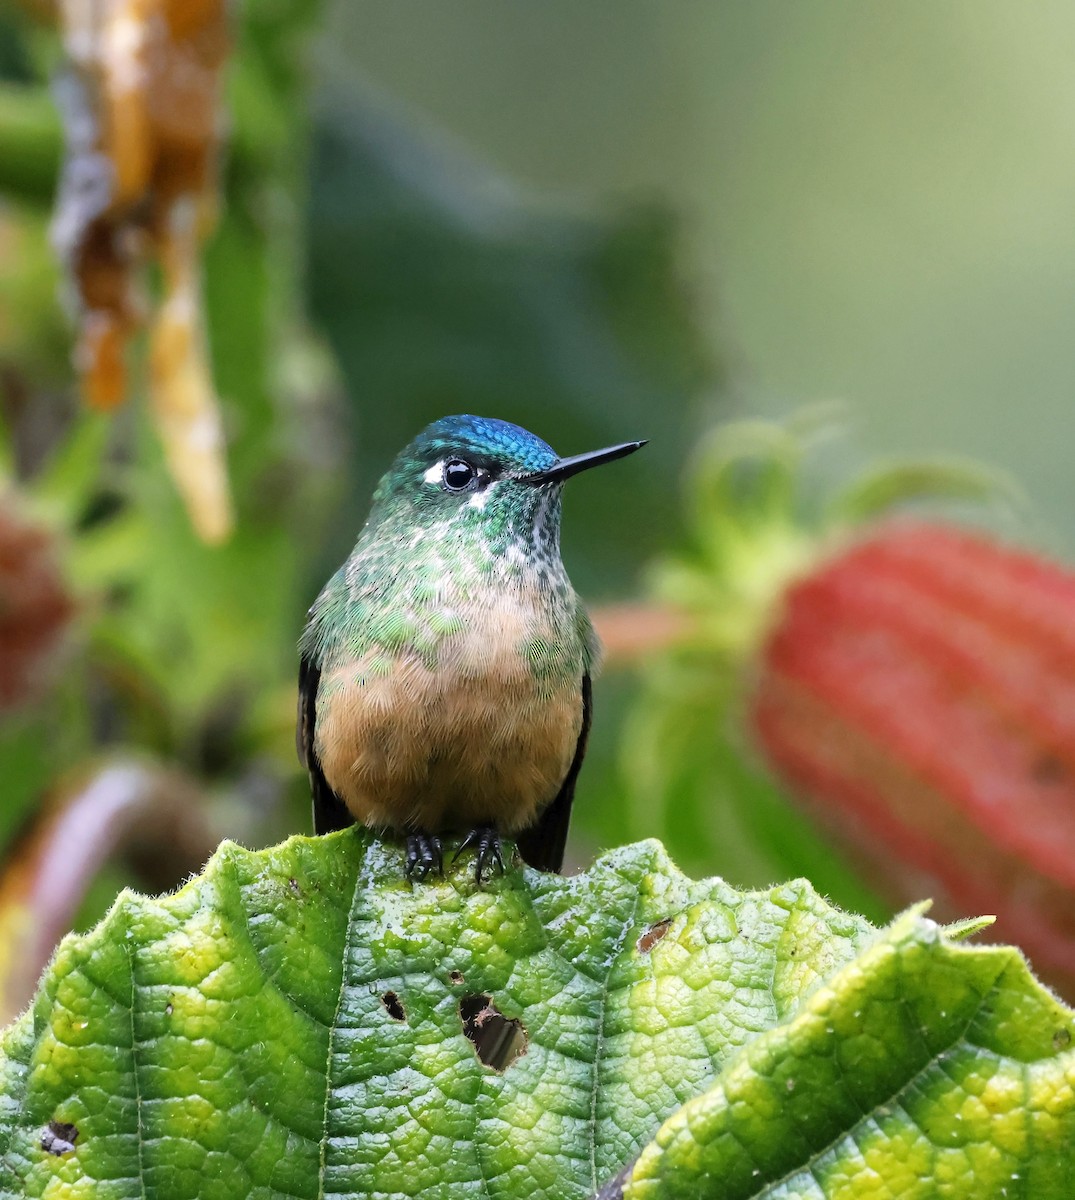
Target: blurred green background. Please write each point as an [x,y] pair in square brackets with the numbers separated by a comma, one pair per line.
[875,199]
[601,221]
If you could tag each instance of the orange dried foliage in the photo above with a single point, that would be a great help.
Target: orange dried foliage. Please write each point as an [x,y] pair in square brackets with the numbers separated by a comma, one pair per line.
[142,111]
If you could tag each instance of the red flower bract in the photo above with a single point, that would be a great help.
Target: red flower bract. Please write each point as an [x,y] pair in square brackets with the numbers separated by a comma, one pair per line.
[919,689]
[35,607]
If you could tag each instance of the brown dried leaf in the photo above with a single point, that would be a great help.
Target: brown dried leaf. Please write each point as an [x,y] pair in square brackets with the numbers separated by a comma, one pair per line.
[141,109]
[35,606]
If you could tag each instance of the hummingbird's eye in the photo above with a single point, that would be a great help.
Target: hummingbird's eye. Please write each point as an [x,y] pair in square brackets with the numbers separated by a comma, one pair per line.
[458,474]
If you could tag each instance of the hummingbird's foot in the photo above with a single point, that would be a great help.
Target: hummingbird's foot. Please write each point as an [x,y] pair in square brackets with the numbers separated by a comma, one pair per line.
[424,855]
[487,856]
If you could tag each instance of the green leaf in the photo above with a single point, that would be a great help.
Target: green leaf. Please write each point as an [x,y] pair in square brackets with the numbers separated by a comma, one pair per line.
[883,487]
[30,140]
[920,1070]
[295,1022]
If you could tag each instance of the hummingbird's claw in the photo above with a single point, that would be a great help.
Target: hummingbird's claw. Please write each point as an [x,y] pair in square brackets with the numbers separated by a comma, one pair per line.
[424,855]
[486,840]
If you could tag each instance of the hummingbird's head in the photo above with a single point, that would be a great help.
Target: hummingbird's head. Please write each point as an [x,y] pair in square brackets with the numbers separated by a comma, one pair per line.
[485,470]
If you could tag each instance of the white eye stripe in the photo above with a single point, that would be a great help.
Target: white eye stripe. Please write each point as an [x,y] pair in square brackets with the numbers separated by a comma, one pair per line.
[436,474]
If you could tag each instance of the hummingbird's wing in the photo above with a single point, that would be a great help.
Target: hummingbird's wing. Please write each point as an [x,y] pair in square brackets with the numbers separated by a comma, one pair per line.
[542,845]
[330,812]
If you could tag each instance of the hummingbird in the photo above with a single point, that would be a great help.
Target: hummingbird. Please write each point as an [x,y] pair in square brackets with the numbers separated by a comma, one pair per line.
[444,679]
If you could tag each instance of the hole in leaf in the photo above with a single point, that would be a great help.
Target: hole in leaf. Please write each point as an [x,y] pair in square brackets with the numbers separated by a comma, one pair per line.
[394,1006]
[653,935]
[613,1190]
[1061,1039]
[58,1137]
[497,1040]
[456,978]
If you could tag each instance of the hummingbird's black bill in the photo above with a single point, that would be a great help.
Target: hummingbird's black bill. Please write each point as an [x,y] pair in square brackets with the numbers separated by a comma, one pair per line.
[566,467]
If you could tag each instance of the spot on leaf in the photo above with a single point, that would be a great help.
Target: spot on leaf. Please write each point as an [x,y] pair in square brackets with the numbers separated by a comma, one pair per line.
[58,1137]
[497,1040]
[394,1006]
[653,935]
